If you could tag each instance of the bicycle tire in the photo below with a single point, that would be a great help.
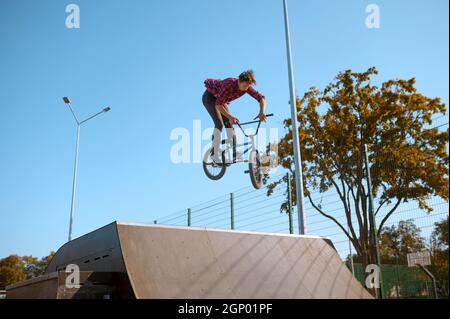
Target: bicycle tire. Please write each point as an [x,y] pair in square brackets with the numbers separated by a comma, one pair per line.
[207,163]
[254,170]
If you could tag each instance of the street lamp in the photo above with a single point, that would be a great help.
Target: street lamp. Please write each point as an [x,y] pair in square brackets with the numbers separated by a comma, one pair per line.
[295,137]
[72,206]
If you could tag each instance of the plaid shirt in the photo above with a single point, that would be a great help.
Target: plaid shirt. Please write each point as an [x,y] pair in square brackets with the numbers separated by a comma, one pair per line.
[228,90]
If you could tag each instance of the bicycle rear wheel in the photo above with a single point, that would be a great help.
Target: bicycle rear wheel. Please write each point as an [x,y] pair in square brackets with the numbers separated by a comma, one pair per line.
[212,170]
[255,171]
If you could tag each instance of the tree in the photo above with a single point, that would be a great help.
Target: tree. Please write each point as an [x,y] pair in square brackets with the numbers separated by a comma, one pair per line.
[440,235]
[11,271]
[44,262]
[397,241]
[16,268]
[409,162]
[440,251]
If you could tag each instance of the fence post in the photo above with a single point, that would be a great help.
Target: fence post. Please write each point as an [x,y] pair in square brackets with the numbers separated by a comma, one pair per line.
[398,276]
[189,217]
[435,292]
[232,209]
[373,227]
[289,189]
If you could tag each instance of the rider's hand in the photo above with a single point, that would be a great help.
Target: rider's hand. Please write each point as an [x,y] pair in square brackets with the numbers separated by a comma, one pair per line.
[262,117]
[233,120]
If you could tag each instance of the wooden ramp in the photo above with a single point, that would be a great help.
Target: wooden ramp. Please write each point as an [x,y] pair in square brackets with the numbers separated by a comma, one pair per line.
[188,262]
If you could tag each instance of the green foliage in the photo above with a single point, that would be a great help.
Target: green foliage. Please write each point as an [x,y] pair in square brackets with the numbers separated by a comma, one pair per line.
[15,268]
[397,241]
[400,281]
[440,251]
[440,234]
[408,282]
[11,271]
[409,161]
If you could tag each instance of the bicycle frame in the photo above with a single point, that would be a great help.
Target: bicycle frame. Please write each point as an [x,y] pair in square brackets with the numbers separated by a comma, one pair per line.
[251,143]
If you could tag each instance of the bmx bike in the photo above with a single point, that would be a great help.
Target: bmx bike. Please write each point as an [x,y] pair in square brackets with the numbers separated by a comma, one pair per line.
[216,171]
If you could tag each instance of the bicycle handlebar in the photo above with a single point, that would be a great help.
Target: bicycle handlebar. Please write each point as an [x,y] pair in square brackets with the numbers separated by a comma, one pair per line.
[252,122]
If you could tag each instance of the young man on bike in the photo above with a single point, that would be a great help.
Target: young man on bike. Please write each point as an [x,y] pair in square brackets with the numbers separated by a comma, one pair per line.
[218,94]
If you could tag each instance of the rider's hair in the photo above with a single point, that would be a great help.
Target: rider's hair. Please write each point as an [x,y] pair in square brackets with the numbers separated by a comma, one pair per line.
[247,76]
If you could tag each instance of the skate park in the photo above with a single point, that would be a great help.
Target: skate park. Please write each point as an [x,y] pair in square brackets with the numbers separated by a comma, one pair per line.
[336,188]
[152,261]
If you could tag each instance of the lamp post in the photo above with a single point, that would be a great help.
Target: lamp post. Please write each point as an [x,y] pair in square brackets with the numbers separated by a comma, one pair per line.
[74,183]
[295,137]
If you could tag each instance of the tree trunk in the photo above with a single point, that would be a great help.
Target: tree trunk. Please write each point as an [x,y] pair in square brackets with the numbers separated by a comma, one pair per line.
[367,258]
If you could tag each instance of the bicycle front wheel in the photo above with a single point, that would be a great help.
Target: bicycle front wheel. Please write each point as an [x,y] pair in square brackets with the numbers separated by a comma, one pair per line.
[255,171]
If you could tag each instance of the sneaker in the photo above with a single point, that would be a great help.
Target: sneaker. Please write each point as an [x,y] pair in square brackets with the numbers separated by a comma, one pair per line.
[216,159]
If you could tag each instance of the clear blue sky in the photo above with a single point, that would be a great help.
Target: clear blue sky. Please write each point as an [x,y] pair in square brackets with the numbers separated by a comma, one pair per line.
[147,60]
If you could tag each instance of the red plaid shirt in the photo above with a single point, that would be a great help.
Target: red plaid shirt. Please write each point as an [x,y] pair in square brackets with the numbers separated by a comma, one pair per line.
[228,90]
